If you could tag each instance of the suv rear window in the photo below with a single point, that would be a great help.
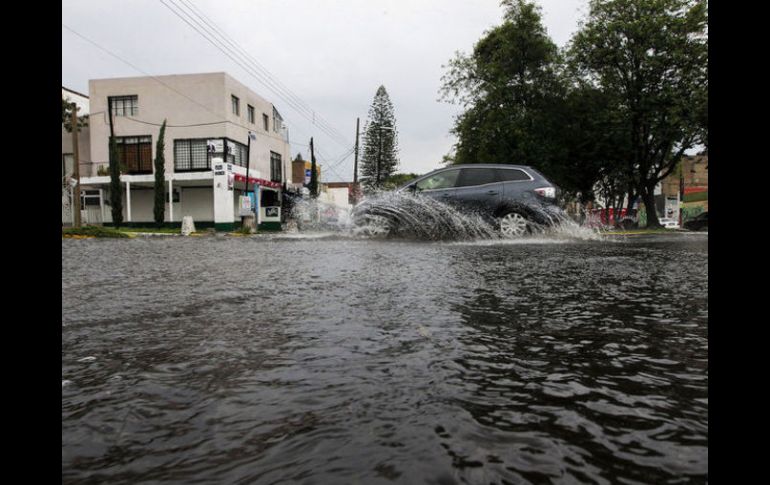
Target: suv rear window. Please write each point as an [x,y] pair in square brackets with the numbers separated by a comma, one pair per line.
[476,176]
[509,174]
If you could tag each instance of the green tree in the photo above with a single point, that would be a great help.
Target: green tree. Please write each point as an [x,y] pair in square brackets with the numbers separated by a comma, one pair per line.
[379,159]
[313,183]
[66,115]
[396,180]
[116,192]
[512,91]
[650,57]
[159,208]
[591,141]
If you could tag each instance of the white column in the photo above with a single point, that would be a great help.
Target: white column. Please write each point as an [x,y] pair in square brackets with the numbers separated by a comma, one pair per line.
[128,201]
[101,203]
[224,202]
[170,201]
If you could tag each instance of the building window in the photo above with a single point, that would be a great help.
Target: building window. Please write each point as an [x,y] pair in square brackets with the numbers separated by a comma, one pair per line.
[236,153]
[124,105]
[236,106]
[191,155]
[251,114]
[275,167]
[277,120]
[135,153]
[90,198]
[266,122]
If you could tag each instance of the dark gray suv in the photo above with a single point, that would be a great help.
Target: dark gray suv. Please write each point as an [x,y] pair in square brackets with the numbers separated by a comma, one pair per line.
[513,197]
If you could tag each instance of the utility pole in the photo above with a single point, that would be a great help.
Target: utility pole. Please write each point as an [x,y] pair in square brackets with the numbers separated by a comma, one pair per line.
[251,135]
[313,186]
[75,166]
[355,165]
[681,191]
[379,158]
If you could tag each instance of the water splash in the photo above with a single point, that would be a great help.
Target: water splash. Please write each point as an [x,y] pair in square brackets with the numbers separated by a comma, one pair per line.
[412,216]
[314,214]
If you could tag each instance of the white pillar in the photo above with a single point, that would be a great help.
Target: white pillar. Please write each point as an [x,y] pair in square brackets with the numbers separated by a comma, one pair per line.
[170,201]
[128,201]
[224,202]
[101,203]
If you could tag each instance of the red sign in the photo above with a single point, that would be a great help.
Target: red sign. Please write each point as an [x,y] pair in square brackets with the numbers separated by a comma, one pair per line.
[262,182]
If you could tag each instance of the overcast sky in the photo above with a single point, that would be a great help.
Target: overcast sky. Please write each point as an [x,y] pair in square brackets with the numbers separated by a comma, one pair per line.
[332,54]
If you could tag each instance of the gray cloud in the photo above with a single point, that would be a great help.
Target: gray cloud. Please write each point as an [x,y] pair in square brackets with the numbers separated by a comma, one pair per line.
[333,54]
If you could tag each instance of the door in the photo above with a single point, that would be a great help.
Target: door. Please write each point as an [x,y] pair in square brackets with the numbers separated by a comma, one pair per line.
[478,190]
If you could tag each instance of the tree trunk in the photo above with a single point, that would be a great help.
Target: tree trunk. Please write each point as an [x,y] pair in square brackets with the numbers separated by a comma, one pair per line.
[648,196]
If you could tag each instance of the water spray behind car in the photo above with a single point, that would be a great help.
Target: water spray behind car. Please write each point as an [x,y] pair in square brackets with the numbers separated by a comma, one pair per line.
[413,216]
[477,201]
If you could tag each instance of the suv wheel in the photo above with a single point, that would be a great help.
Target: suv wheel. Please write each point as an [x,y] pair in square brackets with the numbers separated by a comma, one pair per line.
[372,226]
[514,224]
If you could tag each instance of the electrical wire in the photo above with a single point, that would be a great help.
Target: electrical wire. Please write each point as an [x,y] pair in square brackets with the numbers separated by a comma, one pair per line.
[270,78]
[184,15]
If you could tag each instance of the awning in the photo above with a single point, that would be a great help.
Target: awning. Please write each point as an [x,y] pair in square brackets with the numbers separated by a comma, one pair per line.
[262,182]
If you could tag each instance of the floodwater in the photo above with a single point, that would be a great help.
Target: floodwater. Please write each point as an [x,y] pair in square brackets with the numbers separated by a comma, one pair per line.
[328,359]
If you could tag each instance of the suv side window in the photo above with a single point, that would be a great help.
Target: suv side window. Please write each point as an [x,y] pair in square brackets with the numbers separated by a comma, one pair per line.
[511,174]
[441,180]
[476,176]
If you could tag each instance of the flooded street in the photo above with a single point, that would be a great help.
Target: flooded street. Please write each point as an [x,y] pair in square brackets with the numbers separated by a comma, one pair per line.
[295,359]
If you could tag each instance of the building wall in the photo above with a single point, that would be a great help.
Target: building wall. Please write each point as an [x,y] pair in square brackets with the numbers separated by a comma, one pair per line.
[84,149]
[84,136]
[197,203]
[695,175]
[266,140]
[336,196]
[183,100]
[142,200]
[78,98]
[298,172]
[298,168]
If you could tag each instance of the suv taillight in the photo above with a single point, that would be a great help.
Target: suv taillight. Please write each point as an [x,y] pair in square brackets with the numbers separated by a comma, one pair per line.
[547,192]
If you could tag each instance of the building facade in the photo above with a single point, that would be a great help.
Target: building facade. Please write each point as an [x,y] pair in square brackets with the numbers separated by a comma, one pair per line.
[300,172]
[68,153]
[693,185]
[208,150]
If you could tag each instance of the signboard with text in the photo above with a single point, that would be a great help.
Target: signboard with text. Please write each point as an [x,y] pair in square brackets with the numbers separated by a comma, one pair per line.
[245,207]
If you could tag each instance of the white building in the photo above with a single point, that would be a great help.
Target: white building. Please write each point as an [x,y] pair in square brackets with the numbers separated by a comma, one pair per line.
[208,152]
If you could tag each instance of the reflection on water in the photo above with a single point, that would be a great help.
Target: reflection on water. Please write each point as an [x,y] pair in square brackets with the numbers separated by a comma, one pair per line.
[336,360]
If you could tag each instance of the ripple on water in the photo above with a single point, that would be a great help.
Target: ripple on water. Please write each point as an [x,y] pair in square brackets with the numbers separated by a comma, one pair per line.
[409,362]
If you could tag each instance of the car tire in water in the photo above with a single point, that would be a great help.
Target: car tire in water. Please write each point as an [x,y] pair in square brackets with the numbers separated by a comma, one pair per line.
[514,224]
[373,226]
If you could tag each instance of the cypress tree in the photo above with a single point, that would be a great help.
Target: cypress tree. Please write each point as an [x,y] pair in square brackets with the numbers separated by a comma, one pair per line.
[379,159]
[313,185]
[116,194]
[160,174]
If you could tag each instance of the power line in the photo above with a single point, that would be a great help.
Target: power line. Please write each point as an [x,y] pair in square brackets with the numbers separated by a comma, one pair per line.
[270,77]
[146,74]
[156,79]
[331,166]
[184,15]
[116,56]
